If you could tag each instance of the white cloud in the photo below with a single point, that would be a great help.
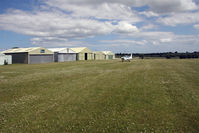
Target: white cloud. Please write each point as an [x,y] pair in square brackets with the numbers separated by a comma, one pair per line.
[148,26]
[180,18]
[168,6]
[149,14]
[53,41]
[57,27]
[153,35]
[165,40]
[125,27]
[54,25]
[196,26]
[125,42]
[157,38]
[159,6]
[110,11]
[142,38]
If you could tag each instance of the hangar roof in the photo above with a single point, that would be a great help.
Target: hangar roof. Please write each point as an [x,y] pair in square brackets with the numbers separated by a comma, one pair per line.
[98,52]
[82,50]
[62,50]
[31,50]
[108,52]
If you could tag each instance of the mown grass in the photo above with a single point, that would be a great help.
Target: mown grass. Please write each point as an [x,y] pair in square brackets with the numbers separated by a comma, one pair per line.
[150,95]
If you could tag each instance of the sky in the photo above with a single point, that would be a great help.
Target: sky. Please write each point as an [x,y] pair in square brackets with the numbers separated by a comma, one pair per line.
[138,26]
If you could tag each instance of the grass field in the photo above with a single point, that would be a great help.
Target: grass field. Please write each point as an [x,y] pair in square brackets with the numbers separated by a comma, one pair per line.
[150,95]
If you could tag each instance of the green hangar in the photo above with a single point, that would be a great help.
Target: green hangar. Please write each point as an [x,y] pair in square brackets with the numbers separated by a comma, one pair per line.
[83,53]
[109,55]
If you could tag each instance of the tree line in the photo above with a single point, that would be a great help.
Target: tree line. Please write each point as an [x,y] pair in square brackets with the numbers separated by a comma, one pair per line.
[167,55]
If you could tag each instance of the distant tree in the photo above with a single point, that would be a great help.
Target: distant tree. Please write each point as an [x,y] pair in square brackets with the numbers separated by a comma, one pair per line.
[14,47]
[182,56]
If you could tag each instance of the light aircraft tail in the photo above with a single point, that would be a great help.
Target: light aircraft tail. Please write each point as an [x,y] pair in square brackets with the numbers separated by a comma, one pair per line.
[131,56]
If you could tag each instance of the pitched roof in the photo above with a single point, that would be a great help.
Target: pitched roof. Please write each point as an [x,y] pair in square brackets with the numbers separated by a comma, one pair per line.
[31,50]
[98,52]
[81,49]
[108,52]
[20,50]
[62,50]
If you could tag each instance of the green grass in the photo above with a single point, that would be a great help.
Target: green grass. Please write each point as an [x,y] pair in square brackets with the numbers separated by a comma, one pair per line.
[154,95]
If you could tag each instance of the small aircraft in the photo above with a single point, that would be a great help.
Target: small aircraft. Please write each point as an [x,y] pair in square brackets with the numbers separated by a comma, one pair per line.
[127,58]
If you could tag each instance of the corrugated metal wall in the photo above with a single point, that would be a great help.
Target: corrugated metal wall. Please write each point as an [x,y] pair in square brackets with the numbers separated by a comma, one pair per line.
[56,57]
[2,60]
[81,56]
[90,56]
[7,58]
[34,59]
[66,57]
[99,56]
[110,57]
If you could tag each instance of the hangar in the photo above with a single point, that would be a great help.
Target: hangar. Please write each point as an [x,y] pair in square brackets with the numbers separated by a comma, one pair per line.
[109,55]
[63,54]
[98,55]
[83,53]
[31,55]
